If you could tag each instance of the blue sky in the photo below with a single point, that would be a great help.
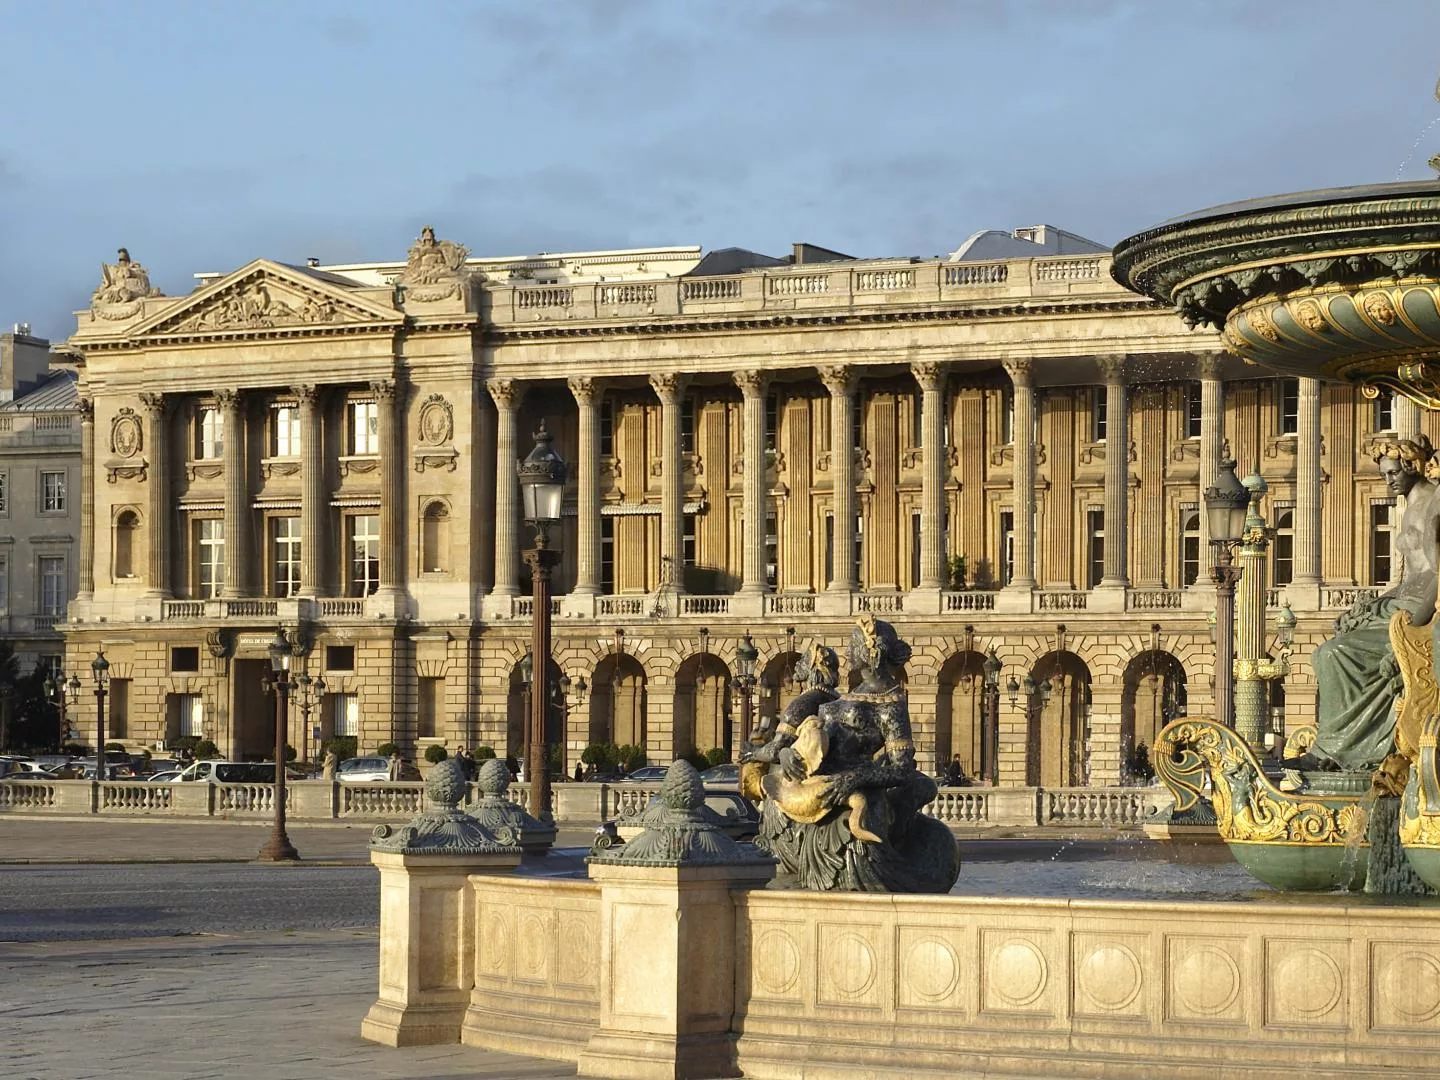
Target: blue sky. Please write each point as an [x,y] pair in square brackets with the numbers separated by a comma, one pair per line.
[201,135]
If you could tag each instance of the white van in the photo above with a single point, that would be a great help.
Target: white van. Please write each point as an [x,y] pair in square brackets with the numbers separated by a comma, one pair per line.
[228,772]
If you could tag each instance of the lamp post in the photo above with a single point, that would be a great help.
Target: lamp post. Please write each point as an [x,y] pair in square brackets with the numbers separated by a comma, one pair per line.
[990,732]
[1226,506]
[746,656]
[59,690]
[100,672]
[542,486]
[278,848]
[309,693]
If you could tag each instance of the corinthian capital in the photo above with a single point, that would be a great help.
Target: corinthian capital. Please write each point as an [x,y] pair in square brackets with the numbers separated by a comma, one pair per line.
[668,386]
[384,389]
[503,392]
[1021,370]
[1112,367]
[305,394]
[752,383]
[839,379]
[584,389]
[929,374]
[227,399]
[86,408]
[154,403]
[1207,365]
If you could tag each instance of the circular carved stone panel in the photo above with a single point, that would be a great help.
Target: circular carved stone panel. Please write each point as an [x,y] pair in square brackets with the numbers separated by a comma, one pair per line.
[851,965]
[931,968]
[1410,985]
[777,962]
[1206,981]
[1110,977]
[1306,984]
[436,422]
[126,438]
[1017,973]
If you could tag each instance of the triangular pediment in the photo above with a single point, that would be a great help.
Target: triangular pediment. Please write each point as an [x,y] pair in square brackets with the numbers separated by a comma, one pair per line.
[265,295]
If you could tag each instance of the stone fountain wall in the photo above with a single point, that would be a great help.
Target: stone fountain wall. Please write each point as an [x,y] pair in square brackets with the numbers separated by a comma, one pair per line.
[848,985]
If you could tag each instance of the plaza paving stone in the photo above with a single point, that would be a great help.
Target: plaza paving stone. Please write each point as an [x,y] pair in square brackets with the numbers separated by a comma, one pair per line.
[282,1007]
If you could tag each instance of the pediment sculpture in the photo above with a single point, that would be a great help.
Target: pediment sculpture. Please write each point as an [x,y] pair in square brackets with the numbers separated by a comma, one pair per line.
[435,269]
[123,285]
[256,305]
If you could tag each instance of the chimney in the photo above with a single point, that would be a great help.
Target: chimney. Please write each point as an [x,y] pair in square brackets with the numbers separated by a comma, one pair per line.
[23,361]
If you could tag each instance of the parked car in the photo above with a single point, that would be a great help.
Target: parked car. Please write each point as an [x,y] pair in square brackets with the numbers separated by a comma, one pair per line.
[728,773]
[729,811]
[646,774]
[227,772]
[373,769]
[163,777]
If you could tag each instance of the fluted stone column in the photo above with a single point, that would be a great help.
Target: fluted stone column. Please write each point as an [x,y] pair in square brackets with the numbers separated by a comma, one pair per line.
[1212,439]
[1405,415]
[392,486]
[933,453]
[86,408]
[507,491]
[1307,486]
[237,494]
[669,388]
[157,510]
[839,380]
[312,491]
[752,385]
[1117,474]
[587,487]
[1021,372]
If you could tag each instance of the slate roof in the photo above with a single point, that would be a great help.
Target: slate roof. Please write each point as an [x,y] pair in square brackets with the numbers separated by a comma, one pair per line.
[56,392]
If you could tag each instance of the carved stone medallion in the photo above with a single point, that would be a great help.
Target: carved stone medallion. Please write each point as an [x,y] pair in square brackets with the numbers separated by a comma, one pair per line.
[436,421]
[126,436]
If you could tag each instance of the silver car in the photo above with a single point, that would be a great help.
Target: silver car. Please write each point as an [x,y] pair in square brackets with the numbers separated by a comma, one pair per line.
[370,770]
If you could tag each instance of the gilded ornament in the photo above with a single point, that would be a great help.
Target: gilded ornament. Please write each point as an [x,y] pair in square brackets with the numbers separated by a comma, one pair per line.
[1263,325]
[1377,305]
[1309,315]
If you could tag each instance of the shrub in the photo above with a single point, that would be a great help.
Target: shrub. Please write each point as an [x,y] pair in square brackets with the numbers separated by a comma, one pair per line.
[435,753]
[206,748]
[184,742]
[386,749]
[603,755]
[115,746]
[696,758]
[1138,763]
[290,754]
[343,747]
[715,756]
[75,749]
[631,756]
[484,753]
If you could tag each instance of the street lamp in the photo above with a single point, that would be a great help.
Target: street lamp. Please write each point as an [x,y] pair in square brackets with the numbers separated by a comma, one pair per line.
[310,692]
[990,732]
[542,487]
[100,672]
[1226,504]
[278,848]
[746,656]
[57,690]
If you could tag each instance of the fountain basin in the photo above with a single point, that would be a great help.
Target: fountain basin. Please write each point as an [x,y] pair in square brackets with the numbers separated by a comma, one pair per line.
[1340,283]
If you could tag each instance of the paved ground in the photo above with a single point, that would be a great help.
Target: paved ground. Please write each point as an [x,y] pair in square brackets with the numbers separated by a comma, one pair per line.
[282,1007]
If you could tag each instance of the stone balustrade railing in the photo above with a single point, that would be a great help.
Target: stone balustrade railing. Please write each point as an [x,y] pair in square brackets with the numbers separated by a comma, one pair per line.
[896,283]
[575,804]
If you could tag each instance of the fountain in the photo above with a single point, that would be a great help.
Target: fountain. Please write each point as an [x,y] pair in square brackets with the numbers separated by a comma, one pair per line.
[1335,284]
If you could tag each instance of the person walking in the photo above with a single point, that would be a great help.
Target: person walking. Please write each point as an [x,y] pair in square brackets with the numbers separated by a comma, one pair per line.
[395,765]
[579,773]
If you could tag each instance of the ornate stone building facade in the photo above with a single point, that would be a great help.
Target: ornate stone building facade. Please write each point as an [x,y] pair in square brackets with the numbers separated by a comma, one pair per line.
[772,448]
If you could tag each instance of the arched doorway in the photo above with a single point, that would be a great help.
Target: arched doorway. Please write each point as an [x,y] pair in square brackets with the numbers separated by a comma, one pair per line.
[703,706]
[777,684]
[517,709]
[960,712]
[617,701]
[1153,695]
[1059,721]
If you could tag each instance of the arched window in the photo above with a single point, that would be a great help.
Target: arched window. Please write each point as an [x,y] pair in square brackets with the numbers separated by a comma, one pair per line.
[435,539]
[127,524]
[1189,547]
[1284,546]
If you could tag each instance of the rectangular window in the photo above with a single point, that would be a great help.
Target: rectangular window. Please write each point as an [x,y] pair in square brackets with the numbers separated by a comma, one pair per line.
[917,420]
[1384,412]
[1095,532]
[687,425]
[52,492]
[345,715]
[915,549]
[364,542]
[1007,546]
[1193,410]
[52,584]
[4,582]
[339,657]
[4,491]
[119,718]
[829,549]
[210,434]
[1289,406]
[284,556]
[429,703]
[210,557]
[857,423]
[185,659]
[364,427]
[772,420]
[607,429]
[859,568]
[285,431]
[1284,546]
[190,715]
[1381,513]
[1189,545]
[607,555]
[772,551]
[1098,406]
[1007,416]
[687,541]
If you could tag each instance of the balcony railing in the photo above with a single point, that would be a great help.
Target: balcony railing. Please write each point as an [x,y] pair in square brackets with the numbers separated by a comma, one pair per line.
[1153,599]
[790,604]
[523,607]
[704,605]
[969,600]
[1061,599]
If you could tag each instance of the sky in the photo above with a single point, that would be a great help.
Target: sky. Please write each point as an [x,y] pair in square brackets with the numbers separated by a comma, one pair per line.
[201,135]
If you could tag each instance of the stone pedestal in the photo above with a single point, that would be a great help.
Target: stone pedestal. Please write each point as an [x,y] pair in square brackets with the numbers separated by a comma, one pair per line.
[425,955]
[667,961]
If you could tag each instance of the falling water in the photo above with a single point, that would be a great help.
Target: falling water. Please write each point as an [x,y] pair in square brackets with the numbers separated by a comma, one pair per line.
[1400,172]
[1388,873]
[1357,837]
